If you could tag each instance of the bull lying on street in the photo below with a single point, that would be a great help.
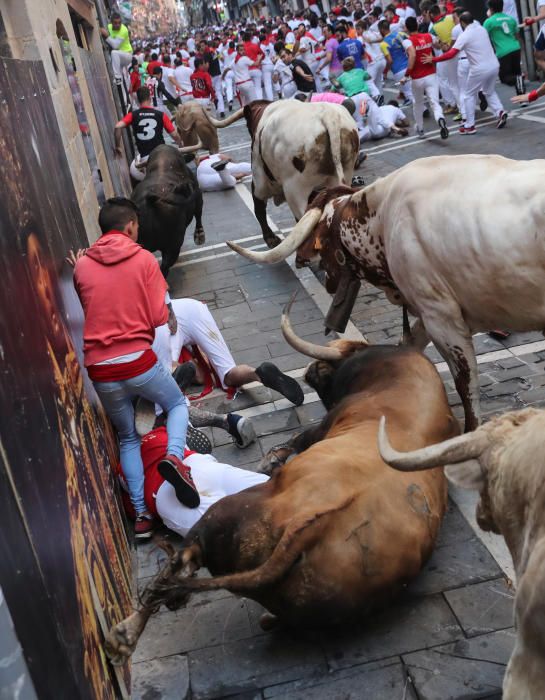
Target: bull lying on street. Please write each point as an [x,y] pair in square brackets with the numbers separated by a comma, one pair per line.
[334,532]
[504,460]
[482,268]
[296,148]
[167,199]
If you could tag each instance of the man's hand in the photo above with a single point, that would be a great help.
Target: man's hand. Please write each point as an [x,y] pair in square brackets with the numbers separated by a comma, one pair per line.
[426,58]
[520,99]
[105,33]
[73,257]
[172,320]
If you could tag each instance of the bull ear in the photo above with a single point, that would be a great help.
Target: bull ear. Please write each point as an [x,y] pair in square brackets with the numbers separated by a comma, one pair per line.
[466,475]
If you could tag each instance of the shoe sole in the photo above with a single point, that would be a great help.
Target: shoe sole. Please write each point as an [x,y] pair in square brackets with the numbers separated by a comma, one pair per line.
[197,441]
[144,416]
[143,535]
[273,378]
[501,121]
[247,433]
[185,493]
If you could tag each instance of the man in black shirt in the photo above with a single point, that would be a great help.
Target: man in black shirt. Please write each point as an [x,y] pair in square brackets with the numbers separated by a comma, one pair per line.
[147,126]
[302,74]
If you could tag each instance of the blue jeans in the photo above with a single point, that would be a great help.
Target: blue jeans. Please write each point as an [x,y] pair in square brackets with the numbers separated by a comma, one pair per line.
[156,385]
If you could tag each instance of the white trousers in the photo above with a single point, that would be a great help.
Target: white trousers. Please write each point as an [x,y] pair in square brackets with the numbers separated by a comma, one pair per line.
[481,78]
[213,480]
[218,88]
[256,76]
[246,92]
[289,89]
[196,326]
[376,71]
[267,71]
[462,72]
[443,74]
[406,89]
[120,60]
[422,88]
[212,181]
[229,83]
[376,127]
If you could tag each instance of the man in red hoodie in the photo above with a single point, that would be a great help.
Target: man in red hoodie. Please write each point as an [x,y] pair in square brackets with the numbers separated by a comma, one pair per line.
[122,292]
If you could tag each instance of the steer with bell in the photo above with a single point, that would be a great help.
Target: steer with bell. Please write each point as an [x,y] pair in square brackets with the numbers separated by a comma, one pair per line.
[334,532]
[482,269]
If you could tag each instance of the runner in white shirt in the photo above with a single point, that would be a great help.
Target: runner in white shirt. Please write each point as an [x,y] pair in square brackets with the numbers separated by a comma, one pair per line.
[483,71]
[243,78]
[267,67]
[377,63]
[228,76]
[283,74]
[462,68]
[183,74]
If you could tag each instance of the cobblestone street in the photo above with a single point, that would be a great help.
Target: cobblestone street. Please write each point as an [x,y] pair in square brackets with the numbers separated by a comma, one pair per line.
[450,634]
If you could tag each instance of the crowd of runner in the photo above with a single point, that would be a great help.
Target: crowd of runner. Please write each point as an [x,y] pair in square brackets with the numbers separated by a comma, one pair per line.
[439,56]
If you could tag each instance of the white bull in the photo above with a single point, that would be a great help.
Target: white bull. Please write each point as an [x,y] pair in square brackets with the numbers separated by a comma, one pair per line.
[458,240]
[296,148]
[504,460]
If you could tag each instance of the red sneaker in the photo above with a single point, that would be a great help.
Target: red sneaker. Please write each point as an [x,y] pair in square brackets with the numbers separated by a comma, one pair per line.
[467,130]
[173,470]
[144,526]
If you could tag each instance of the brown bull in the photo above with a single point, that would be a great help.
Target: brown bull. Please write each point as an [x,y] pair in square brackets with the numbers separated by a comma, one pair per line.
[335,531]
[504,461]
[194,126]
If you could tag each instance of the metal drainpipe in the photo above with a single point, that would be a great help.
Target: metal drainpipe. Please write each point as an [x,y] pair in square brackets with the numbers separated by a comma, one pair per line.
[529,35]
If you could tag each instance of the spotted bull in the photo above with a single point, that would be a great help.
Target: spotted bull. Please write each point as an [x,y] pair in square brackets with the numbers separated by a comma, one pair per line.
[481,268]
[296,148]
[504,461]
[334,532]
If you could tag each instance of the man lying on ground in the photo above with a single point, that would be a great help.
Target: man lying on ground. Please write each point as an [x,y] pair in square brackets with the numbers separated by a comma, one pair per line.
[213,480]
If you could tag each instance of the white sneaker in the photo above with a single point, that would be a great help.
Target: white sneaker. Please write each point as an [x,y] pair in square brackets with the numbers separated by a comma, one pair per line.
[420,133]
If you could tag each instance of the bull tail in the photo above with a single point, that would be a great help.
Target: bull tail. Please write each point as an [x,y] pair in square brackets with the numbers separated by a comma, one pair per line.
[335,143]
[288,549]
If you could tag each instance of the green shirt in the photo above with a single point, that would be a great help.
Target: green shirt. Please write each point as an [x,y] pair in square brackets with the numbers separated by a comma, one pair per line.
[353,81]
[502,30]
[121,33]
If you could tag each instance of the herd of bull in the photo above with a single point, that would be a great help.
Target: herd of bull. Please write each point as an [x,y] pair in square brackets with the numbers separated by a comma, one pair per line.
[355,503]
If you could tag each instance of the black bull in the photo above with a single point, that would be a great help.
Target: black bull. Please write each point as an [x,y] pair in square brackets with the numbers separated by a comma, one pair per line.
[168,198]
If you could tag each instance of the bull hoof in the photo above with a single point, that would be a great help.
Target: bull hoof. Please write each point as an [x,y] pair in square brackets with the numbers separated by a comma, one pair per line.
[120,642]
[199,236]
[268,622]
[272,240]
[275,458]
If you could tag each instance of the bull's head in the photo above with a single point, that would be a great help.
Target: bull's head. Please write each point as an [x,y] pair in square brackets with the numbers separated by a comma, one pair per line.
[320,374]
[316,233]
[466,467]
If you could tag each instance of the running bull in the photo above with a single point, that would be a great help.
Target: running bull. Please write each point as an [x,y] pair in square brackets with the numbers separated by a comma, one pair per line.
[504,461]
[167,199]
[481,268]
[296,148]
[334,532]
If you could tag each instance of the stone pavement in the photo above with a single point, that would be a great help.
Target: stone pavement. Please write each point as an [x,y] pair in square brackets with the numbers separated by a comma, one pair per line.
[450,634]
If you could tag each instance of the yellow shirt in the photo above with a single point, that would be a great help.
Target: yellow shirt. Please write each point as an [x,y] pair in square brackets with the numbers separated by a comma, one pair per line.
[121,33]
[443,29]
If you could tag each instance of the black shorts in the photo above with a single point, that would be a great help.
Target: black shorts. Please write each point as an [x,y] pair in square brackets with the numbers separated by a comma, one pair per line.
[540,42]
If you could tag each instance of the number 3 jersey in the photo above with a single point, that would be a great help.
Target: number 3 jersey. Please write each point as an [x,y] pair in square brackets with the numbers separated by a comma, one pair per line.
[147,126]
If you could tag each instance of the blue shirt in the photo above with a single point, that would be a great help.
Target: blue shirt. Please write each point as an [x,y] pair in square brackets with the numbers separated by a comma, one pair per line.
[393,45]
[353,48]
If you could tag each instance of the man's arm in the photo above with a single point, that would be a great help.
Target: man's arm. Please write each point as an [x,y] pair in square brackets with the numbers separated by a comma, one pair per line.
[530,96]
[122,124]
[411,54]
[113,43]
[169,127]
[306,76]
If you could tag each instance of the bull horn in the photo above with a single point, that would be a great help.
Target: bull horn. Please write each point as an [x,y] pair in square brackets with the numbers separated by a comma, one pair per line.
[190,149]
[220,123]
[457,449]
[289,245]
[318,352]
